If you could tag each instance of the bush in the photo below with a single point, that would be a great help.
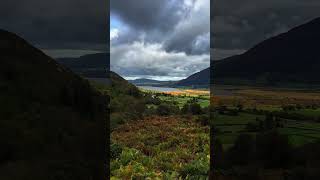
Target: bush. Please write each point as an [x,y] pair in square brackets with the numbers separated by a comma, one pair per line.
[167,109]
[197,169]
[192,108]
[204,120]
[115,151]
[273,149]
[243,150]
[252,127]
[195,109]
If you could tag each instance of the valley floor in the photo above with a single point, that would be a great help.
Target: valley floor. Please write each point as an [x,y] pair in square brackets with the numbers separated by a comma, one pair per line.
[255,128]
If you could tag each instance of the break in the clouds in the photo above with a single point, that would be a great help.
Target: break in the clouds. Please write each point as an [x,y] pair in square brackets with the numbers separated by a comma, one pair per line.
[239,25]
[58,24]
[161,38]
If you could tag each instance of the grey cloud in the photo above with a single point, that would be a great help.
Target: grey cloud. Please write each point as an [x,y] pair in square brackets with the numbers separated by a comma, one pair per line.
[146,14]
[175,23]
[142,59]
[58,24]
[242,24]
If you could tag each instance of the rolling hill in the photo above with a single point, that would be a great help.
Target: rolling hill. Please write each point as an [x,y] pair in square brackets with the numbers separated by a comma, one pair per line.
[288,59]
[52,120]
[200,79]
[91,65]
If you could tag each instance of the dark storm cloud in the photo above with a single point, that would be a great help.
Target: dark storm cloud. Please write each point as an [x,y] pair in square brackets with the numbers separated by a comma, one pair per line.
[146,14]
[180,25]
[78,24]
[242,24]
[160,39]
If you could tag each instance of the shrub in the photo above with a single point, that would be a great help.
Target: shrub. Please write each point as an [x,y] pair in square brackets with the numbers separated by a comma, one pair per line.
[195,109]
[115,151]
[192,108]
[252,127]
[167,109]
[243,150]
[204,120]
[273,149]
[197,169]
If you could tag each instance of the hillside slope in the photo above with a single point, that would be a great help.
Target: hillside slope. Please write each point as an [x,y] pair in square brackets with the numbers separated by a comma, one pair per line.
[52,121]
[200,79]
[289,58]
[91,65]
[126,101]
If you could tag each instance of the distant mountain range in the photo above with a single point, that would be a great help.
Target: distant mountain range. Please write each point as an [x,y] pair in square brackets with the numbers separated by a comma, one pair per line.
[151,82]
[199,79]
[291,58]
[92,65]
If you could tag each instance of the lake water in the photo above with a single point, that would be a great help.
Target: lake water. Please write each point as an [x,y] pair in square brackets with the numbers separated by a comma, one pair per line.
[160,89]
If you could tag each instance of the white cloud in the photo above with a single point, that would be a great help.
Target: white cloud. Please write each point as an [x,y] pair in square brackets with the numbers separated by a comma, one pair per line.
[114,34]
[141,59]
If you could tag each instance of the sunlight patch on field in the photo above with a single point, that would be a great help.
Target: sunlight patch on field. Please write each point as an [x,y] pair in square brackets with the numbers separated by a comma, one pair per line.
[189,92]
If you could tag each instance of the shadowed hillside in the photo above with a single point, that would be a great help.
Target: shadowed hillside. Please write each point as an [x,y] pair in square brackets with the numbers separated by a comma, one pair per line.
[52,121]
[289,58]
[92,65]
[200,79]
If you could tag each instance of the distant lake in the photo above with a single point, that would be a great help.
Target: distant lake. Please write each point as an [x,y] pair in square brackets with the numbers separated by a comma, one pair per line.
[160,89]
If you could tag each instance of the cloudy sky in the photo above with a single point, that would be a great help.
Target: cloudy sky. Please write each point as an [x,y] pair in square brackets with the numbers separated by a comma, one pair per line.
[61,27]
[159,39]
[240,24]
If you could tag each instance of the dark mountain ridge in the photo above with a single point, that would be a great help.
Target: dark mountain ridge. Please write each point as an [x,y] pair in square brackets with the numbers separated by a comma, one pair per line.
[199,79]
[91,65]
[151,82]
[288,59]
[52,120]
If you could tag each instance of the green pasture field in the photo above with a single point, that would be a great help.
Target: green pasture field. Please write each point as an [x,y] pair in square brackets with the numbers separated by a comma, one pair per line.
[182,100]
[299,132]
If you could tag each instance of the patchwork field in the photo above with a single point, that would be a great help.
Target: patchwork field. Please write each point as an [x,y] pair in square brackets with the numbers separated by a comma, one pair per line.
[260,132]
[297,112]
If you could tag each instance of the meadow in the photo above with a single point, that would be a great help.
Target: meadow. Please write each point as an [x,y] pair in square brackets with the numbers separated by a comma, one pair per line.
[168,138]
[297,112]
[271,128]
